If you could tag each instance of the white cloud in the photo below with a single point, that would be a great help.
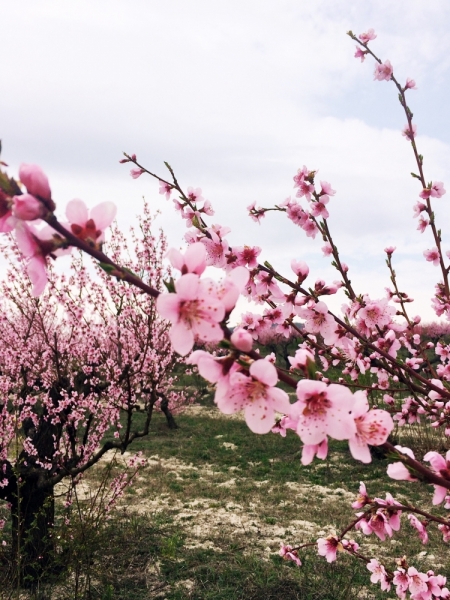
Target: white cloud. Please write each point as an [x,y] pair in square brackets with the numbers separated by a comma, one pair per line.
[236,96]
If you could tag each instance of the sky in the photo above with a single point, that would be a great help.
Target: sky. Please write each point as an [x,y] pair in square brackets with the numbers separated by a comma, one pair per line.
[237,95]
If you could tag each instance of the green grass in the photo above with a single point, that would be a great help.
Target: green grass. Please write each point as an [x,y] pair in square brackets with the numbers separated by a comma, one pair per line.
[184,531]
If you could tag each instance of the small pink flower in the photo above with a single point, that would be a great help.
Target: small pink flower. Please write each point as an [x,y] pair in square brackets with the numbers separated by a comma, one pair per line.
[164,188]
[360,53]
[441,466]
[390,250]
[27,208]
[310,451]
[423,534]
[372,427]
[398,470]
[323,410]
[35,180]
[194,311]
[193,260]
[288,553]
[437,189]
[300,268]
[135,173]
[326,189]
[327,249]
[241,339]
[90,225]
[328,547]
[256,394]
[367,36]
[409,132]
[378,574]
[410,84]
[432,256]
[363,498]
[302,359]
[383,72]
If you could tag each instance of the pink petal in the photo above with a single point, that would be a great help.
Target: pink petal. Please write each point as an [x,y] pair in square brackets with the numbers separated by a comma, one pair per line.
[187,287]
[168,306]
[359,450]
[25,241]
[259,417]
[77,212]
[182,338]
[103,214]
[37,273]
[264,371]
[280,400]
[35,180]
[439,494]
[195,258]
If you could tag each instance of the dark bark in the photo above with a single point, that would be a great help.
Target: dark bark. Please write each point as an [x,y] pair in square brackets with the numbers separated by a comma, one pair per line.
[169,416]
[33,514]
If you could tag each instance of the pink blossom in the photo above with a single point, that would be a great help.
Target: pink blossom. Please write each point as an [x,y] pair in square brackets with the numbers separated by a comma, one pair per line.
[409,132]
[194,195]
[28,242]
[288,553]
[193,260]
[367,36]
[318,320]
[303,357]
[300,268]
[328,547]
[362,498]
[256,394]
[135,173]
[441,466]
[383,72]
[323,410]
[305,189]
[165,189]
[318,209]
[376,313]
[35,180]
[410,84]
[417,581]
[401,581]
[247,256]
[432,256]
[378,574]
[194,312]
[419,207]
[398,470]
[327,249]
[372,427]
[309,451]
[27,208]
[90,225]
[216,249]
[423,534]
[241,339]
[326,189]
[310,228]
[360,53]
[423,224]
[437,189]
[390,250]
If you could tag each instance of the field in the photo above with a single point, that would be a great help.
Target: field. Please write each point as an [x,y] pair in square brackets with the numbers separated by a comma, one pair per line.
[205,518]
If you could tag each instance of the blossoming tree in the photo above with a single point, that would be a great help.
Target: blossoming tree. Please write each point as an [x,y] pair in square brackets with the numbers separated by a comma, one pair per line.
[76,364]
[408,374]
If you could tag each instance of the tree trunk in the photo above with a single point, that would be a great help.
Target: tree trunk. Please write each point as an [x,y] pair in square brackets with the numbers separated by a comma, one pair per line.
[33,513]
[169,416]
